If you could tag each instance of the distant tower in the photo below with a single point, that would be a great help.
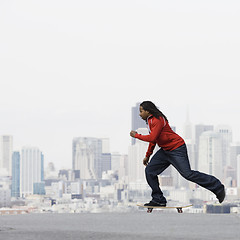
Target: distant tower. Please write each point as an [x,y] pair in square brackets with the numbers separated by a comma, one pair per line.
[105,145]
[187,135]
[199,129]
[42,167]
[123,170]
[6,148]
[106,162]
[187,127]
[226,138]
[136,153]
[137,122]
[87,157]
[210,157]
[115,161]
[234,152]
[238,171]
[30,170]
[16,174]
[106,155]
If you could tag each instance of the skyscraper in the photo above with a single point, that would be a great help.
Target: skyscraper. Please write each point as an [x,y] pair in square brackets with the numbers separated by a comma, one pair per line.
[226,138]
[136,154]
[137,122]
[199,129]
[86,157]
[238,171]
[190,143]
[30,170]
[15,191]
[234,152]
[123,170]
[42,167]
[187,131]
[106,155]
[105,145]
[115,161]
[6,146]
[210,157]
[106,162]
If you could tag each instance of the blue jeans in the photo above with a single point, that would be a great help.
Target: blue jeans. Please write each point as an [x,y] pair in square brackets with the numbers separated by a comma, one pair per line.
[179,159]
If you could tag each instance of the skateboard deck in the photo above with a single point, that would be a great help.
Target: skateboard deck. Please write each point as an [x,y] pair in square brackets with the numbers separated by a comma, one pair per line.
[150,208]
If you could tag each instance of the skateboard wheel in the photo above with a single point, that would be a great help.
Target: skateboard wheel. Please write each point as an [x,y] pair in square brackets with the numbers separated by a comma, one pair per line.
[179,210]
[149,210]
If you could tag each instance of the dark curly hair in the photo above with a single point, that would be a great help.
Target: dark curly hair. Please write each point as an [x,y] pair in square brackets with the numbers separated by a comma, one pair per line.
[151,108]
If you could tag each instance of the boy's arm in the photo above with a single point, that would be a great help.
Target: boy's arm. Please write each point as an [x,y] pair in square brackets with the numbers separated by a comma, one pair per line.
[151,147]
[156,129]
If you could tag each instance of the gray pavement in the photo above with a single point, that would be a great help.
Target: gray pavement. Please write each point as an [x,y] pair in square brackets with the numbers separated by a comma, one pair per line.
[137,225]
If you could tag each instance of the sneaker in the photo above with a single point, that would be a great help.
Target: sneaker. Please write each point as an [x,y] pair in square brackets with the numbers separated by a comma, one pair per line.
[221,195]
[154,204]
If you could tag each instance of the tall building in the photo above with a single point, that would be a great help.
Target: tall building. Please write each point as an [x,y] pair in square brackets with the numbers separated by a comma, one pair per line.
[136,154]
[115,161]
[187,131]
[105,145]
[42,167]
[87,156]
[123,170]
[199,129]
[106,155]
[5,197]
[6,148]
[210,157]
[238,171]
[30,170]
[106,162]
[188,138]
[234,152]
[230,176]
[15,191]
[226,138]
[137,121]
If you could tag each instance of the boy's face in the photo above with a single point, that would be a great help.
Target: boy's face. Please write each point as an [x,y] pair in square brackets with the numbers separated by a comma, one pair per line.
[143,114]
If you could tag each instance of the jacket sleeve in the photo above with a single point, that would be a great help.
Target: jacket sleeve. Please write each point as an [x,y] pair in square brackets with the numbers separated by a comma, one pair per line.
[151,147]
[156,129]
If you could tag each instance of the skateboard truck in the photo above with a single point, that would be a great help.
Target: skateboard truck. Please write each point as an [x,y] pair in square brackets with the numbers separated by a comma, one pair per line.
[179,210]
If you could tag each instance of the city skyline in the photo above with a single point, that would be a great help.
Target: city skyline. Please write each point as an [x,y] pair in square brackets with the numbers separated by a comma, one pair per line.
[209,129]
[97,174]
[76,69]
[193,127]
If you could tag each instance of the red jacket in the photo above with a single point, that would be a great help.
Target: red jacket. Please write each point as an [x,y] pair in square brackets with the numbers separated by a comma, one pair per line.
[161,134]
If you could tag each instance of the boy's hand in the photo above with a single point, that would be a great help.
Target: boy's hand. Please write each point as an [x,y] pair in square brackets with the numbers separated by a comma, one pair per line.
[145,161]
[133,133]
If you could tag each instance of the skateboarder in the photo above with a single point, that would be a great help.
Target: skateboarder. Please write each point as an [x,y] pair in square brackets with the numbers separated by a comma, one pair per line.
[172,151]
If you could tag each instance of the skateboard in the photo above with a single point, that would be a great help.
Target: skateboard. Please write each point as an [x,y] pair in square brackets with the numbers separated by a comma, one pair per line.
[150,208]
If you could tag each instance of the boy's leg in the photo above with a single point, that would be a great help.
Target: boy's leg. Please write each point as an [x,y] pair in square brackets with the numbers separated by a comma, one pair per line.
[179,159]
[156,166]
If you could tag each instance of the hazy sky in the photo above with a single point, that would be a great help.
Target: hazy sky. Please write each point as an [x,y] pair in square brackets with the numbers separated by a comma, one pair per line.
[75,68]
